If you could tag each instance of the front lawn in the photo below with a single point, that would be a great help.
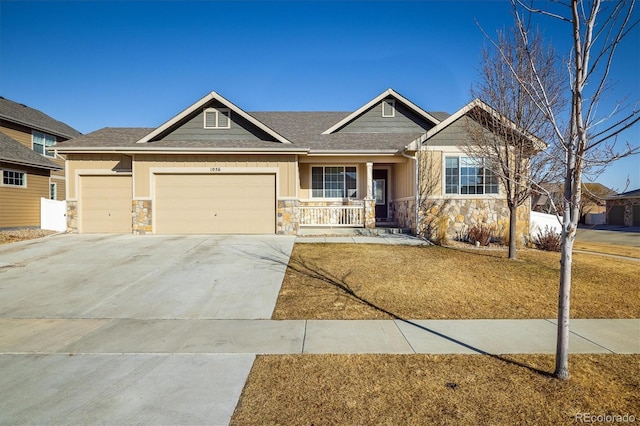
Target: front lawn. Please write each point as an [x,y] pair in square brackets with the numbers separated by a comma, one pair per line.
[362,281]
[436,390]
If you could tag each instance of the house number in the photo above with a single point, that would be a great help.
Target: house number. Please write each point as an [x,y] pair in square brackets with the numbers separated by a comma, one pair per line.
[215,169]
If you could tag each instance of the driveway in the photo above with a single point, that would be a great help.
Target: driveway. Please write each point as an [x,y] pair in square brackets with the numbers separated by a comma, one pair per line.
[610,234]
[93,328]
[143,277]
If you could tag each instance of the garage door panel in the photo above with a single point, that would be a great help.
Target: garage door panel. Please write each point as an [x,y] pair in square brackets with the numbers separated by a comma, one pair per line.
[215,204]
[105,204]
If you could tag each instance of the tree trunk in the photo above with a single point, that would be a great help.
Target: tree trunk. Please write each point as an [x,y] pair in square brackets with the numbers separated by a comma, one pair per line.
[513,229]
[562,343]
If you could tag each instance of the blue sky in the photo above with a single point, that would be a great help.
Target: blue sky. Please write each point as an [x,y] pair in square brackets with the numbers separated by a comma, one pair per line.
[137,63]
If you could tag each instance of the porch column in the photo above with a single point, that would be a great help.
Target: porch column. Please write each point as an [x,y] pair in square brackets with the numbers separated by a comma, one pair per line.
[369,202]
[369,181]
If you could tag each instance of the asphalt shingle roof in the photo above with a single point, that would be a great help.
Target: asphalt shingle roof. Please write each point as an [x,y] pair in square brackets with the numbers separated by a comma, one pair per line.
[30,117]
[12,151]
[303,129]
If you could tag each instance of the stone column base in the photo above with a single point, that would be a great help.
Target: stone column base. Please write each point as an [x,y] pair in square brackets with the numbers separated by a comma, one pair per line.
[141,217]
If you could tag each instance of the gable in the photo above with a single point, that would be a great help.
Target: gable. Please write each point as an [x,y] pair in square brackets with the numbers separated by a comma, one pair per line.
[387,116]
[213,122]
[455,134]
[194,130]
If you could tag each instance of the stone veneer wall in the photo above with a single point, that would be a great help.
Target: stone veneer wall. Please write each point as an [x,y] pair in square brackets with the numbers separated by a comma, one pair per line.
[72,216]
[288,217]
[404,213]
[141,217]
[460,215]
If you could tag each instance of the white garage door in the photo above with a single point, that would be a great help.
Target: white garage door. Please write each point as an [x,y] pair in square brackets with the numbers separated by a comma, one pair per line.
[105,204]
[215,204]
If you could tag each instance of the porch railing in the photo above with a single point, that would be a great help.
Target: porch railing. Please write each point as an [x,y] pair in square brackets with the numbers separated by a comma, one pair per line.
[349,216]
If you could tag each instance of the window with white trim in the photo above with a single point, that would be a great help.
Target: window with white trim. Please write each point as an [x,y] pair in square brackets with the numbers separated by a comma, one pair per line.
[334,182]
[389,108]
[41,141]
[53,191]
[13,178]
[217,118]
[469,176]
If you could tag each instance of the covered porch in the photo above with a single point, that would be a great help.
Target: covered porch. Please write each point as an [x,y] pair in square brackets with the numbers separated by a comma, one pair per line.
[351,193]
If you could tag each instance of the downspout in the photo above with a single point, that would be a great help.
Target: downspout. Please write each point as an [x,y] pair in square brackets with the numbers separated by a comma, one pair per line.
[415,182]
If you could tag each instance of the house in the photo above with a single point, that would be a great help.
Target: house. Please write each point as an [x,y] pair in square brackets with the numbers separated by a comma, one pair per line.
[215,168]
[29,170]
[592,203]
[624,209]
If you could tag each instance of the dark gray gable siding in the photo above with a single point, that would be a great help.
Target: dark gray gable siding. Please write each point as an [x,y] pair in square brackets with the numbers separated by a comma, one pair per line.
[192,129]
[372,121]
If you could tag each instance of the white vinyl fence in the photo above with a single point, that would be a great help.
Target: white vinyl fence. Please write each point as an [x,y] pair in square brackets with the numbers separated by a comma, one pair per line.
[539,221]
[53,215]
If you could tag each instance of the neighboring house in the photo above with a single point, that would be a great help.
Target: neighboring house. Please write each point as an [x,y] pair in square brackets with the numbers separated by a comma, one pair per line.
[592,204]
[624,209]
[29,170]
[215,168]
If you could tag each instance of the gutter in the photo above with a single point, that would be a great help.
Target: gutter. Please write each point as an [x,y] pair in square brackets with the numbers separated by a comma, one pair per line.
[123,150]
[36,166]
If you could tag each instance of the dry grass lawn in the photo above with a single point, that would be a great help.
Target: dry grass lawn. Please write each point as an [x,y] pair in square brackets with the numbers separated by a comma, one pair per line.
[16,235]
[361,281]
[627,251]
[435,389]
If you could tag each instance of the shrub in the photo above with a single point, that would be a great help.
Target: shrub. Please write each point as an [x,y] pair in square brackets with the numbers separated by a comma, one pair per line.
[548,240]
[482,234]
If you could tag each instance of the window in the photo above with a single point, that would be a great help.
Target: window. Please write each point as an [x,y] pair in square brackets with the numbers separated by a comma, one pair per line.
[41,141]
[53,191]
[389,108]
[11,178]
[217,118]
[466,176]
[334,182]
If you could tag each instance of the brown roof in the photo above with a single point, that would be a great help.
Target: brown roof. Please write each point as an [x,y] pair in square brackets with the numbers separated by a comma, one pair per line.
[12,151]
[30,117]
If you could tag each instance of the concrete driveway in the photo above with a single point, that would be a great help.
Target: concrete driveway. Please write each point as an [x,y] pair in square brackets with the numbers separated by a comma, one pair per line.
[610,234]
[93,328]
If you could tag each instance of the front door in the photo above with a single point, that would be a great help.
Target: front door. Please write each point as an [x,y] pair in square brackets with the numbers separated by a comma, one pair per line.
[380,193]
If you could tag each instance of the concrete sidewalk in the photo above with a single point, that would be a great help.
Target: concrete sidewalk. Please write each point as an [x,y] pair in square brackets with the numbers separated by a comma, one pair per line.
[393,239]
[196,336]
[192,371]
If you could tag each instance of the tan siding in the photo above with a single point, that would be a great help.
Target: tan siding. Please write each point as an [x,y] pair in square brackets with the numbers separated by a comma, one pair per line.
[106,162]
[431,172]
[21,206]
[23,137]
[403,179]
[143,164]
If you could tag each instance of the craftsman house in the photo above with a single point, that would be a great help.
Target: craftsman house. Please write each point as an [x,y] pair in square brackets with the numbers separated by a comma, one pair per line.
[215,168]
[29,171]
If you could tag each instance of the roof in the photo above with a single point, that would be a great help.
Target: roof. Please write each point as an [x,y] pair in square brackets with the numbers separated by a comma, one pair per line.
[30,117]
[302,132]
[213,96]
[476,104]
[12,151]
[386,94]
[629,194]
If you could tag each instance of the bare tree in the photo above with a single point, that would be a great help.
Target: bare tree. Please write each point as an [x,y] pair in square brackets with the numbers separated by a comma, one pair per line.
[506,128]
[586,137]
